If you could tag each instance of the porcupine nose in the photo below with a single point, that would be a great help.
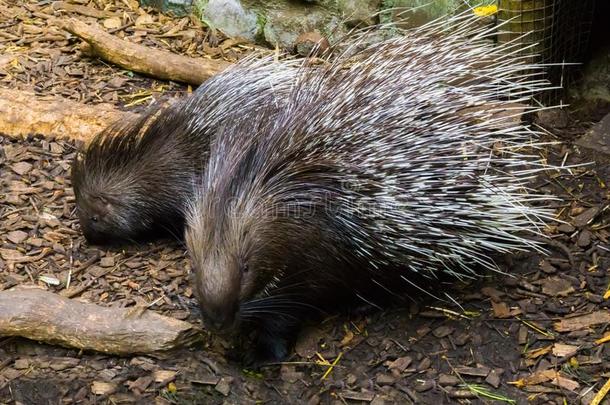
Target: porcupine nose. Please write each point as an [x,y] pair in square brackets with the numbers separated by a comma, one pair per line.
[220,318]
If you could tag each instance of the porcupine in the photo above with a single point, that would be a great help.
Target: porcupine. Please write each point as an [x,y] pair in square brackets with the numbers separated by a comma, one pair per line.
[388,167]
[132,180]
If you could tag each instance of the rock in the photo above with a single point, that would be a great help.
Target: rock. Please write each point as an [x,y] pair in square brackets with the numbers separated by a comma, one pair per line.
[176,7]
[230,17]
[556,118]
[359,13]
[224,385]
[306,42]
[283,26]
[594,87]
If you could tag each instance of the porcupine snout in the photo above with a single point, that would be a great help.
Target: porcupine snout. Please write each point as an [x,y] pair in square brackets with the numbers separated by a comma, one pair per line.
[220,317]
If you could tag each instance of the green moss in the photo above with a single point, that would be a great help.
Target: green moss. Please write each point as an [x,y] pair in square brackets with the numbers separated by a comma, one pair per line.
[198,8]
[261,21]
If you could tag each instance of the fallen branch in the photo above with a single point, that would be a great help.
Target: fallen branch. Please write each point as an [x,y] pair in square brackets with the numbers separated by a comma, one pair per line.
[138,58]
[43,316]
[23,113]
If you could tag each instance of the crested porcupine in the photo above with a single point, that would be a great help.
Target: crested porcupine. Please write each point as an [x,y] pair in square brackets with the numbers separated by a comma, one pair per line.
[389,166]
[132,180]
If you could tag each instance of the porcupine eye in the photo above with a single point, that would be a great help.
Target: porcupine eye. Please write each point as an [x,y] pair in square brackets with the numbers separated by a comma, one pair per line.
[94,218]
[245,269]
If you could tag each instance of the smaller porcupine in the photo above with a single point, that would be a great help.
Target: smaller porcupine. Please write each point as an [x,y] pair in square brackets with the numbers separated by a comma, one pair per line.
[389,166]
[132,180]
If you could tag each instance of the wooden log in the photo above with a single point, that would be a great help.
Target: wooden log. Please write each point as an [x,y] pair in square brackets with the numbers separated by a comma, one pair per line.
[139,58]
[43,316]
[23,113]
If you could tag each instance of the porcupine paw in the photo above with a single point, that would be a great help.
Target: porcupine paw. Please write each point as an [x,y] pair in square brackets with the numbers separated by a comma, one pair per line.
[266,349]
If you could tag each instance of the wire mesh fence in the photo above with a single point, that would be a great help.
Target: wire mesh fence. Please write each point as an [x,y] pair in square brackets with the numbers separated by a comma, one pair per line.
[556,31]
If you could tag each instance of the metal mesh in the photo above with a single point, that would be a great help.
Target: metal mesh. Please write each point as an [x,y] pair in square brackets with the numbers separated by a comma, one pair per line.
[557,30]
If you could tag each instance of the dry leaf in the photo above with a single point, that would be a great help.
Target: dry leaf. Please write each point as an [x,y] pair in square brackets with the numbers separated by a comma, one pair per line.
[501,309]
[553,376]
[6,60]
[49,280]
[583,321]
[349,336]
[562,350]
[164,376]
[112,23]
[534,354]
[144,19]
[21,168]
[16,236]
[103,388]
[556,287]
[565,383]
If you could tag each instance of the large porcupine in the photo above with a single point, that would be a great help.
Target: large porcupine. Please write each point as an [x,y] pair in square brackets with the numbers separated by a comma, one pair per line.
[389,166]
[132,180]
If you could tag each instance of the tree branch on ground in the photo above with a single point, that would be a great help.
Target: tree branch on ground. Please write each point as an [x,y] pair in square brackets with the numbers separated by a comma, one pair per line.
[23,113]
[41,315]
[139,58]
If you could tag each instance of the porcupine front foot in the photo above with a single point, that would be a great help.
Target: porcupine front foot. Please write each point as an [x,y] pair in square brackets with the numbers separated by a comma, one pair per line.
[271,344]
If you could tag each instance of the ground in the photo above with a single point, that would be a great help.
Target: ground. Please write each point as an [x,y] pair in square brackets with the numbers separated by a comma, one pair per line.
[525,337]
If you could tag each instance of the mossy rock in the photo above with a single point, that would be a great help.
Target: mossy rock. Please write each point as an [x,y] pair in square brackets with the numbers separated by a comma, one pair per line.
[280,22]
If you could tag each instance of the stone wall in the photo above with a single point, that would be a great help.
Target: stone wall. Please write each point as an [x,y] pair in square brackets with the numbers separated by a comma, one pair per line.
[280,22]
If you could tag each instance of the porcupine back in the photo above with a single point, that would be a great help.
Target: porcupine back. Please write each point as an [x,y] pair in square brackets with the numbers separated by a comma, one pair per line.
[394,163]
[132,180]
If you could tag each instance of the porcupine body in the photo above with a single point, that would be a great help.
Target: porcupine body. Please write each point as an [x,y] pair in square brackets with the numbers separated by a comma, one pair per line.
[132,180]
[392,165]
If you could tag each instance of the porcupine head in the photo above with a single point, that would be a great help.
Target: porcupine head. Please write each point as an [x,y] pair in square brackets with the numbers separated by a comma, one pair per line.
[371,178]
[131,180]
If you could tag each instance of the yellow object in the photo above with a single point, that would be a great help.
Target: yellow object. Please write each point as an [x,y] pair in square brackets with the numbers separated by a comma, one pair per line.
[171,388]
[605,339]
[484,11]
[330,368]
[601,394]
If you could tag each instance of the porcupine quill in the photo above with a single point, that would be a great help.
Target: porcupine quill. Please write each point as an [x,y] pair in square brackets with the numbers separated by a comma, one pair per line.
[133,180]
[393,165]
